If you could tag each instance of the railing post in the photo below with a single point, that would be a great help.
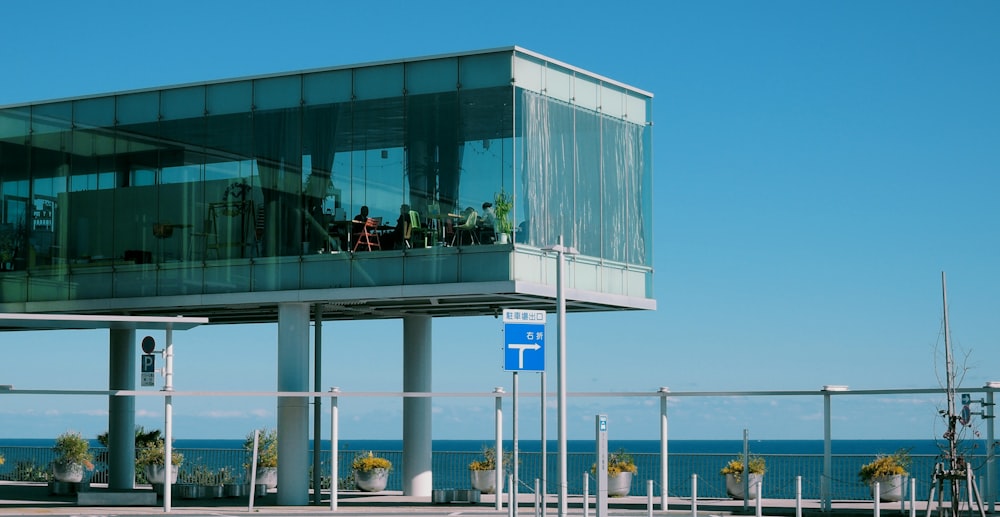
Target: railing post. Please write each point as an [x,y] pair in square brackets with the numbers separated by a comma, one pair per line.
[334,448]
[586,494]
[498,447]
[664,474]
[798,496]
[878,499]
[538,483]
[649,498]
[694,495]
[760,493]
[913,497]
[510,496]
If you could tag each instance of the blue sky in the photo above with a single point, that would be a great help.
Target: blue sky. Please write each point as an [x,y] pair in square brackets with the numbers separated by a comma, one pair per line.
[817,165]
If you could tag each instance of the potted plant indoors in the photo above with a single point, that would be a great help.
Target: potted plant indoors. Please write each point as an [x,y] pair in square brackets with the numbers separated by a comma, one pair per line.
[734,476]
[371,473]
[889,471]
[484,471]
[151,460]
[267,456]
[502,206]
[72,457]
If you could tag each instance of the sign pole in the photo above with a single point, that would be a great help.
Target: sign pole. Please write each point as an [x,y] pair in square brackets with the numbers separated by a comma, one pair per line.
[513,486]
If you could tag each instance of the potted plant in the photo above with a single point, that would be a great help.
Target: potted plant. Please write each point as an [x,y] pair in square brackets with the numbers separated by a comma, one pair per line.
[370,472]
[72,456]
[267,456]
[484,471]
[502,206]
[151,460]
[734,476]
[621,467]
[889,471]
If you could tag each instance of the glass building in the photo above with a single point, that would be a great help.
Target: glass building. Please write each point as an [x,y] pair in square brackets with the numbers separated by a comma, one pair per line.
[408,189]
[251,185]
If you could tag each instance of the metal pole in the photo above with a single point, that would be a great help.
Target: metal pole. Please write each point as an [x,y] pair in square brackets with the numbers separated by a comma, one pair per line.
[649,498]
[746,469]
[586,494]
[827,485]
[663,448]
[334,449]
[561,374]
[498,447]
[317,404]
[991,459]
[798,496]
[515,479]
[168,418]
[694,495]
[545,476]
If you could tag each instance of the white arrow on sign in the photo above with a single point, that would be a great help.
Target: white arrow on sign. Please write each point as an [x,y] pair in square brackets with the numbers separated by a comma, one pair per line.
[520,352]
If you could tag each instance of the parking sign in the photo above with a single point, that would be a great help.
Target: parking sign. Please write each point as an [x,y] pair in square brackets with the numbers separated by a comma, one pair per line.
[524,340]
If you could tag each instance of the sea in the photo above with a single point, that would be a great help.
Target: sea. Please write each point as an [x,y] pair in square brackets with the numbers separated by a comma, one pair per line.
[786,460]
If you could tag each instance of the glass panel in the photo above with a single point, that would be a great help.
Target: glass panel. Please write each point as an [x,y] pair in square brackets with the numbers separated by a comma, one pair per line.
[378,82]
[327,87]
[635,109]
[557,81]
[612,102]
[585,93]
[138,108]
[278,154]
[589,185]
[99,112]
[14,125]
[277,93]
[224,98]
[528,73]
[437,75]
[485,70]
[181,103]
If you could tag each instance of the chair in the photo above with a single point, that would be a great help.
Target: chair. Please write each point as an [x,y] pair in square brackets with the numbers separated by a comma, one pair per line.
[466,228]
[414,228]
[369,236]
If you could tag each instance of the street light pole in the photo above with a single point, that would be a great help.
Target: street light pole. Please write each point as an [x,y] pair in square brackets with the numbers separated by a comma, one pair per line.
[561,251]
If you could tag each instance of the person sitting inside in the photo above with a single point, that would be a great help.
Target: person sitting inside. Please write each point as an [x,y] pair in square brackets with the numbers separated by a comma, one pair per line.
[487,224]
[358,225]
[399,233]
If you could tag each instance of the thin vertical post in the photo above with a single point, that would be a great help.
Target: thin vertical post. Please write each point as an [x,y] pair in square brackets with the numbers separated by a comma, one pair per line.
[514,477]
[991,459]
[317,404]
[168,418]
[694,495]
[649,498]
[826,486]
[334,449]
[586,494]
[664,478]
[798,496]
[498,447]
[561,374]
[545,477]
[878,499]
[760,491]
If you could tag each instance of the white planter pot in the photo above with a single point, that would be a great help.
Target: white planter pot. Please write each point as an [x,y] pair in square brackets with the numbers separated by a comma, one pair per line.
[67,472]
[619,486]
[503,238]
[890,488]
[154,474]
[486,481]
[373,480]
[735,488]
[266,476]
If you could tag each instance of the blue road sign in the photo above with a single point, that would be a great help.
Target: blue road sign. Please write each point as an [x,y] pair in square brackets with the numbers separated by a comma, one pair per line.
[524,347]
[523,340]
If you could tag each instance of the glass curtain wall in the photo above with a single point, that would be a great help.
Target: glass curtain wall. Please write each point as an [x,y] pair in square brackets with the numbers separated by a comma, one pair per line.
[223,187]
[584,167]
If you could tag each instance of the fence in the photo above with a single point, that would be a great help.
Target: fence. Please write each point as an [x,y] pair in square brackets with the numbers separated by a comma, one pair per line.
[450,470]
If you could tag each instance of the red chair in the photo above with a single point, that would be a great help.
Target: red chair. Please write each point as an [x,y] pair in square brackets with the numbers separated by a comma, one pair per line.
[369,236]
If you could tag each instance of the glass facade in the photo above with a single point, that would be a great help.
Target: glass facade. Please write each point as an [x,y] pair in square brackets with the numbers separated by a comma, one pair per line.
[258,184]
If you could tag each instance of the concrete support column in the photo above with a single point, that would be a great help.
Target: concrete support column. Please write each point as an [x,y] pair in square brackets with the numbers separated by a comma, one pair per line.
[417,411]
[293,412]
[122,358]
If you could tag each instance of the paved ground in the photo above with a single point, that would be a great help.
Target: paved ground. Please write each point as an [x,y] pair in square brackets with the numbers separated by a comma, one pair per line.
[37,499]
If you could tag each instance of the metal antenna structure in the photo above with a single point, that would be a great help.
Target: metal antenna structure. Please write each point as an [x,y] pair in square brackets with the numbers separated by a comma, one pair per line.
[950,475]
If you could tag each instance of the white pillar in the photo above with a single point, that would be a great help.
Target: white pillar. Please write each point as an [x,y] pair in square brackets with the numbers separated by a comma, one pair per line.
[122,357]
[417,410]
[293,412]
